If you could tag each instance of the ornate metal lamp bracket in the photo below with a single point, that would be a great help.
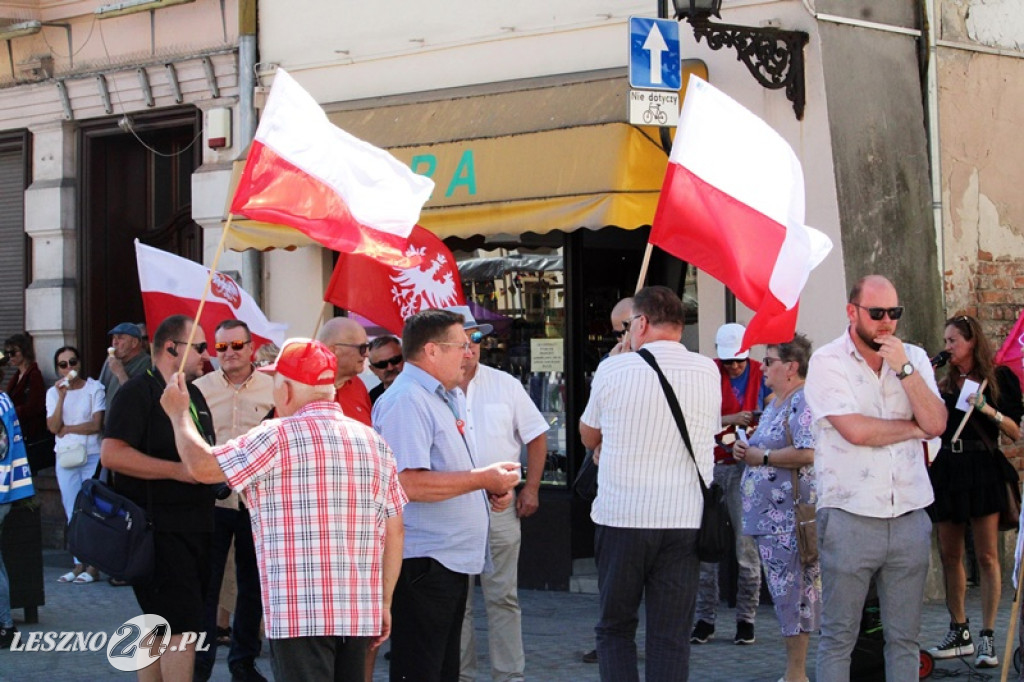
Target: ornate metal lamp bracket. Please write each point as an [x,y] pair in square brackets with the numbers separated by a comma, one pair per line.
[775,57]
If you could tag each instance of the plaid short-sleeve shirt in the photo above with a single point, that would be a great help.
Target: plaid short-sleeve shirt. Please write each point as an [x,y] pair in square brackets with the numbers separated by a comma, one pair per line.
[319,487]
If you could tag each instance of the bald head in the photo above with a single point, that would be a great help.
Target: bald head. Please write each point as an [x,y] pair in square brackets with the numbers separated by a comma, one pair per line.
[873,284]
[621,312]
[347,339]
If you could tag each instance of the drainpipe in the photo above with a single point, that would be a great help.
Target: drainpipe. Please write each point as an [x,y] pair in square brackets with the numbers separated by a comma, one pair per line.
[934,149]
[247,58]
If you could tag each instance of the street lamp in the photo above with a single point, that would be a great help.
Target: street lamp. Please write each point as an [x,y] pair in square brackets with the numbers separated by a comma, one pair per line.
[775,57]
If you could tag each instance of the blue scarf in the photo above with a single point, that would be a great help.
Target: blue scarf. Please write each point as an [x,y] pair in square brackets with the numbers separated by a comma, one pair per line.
[15,475]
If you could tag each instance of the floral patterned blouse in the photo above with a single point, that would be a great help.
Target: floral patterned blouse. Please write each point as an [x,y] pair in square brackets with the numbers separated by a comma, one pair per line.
[768,491]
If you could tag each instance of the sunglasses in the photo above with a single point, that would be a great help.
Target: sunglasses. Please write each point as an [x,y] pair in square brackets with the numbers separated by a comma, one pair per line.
[222,346]
[769,361]
[384,364]
[476,337]
[64,364]
[11,351]
[621,332]
[877,314]
[199,347]
[734,361]
[363,348]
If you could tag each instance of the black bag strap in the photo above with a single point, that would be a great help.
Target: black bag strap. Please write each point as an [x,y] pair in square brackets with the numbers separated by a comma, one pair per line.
[677,412]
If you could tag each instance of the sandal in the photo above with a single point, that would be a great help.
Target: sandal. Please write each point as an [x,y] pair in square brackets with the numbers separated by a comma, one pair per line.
[84,578]
[68,577]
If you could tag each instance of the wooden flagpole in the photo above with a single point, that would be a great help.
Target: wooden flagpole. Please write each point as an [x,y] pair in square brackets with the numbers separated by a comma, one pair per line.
[320,320]
[1011,630]
[970,410]
[206,290]
[643,267]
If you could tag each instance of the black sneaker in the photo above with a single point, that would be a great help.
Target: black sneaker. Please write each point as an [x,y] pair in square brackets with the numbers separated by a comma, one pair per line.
[744,633]
[986,650]
[246,671]
[956,643]
[590,656]
[702,632]
[7,636]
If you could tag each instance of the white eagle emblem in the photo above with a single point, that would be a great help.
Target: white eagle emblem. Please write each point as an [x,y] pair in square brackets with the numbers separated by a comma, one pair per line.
[420,288]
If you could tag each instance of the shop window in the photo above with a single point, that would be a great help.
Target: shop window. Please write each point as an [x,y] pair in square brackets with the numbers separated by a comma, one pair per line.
[521,291]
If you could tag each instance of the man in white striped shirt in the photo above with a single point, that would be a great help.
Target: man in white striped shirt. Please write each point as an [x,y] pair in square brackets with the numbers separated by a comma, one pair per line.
[649,503]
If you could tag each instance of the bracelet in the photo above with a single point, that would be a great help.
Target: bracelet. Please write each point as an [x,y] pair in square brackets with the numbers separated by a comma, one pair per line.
[766,453]
[998,417]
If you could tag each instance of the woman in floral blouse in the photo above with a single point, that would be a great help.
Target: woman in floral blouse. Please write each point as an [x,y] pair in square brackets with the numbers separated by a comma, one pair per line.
[781,444]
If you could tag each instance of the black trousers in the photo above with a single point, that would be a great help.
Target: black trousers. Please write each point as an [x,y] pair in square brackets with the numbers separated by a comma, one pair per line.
[341,659]
[426,622]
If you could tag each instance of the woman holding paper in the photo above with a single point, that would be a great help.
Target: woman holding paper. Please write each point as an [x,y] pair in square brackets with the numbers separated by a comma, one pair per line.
[969,478]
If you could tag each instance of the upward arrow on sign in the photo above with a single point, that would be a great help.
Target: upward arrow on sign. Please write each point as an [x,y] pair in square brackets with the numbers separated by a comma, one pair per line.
[655,45]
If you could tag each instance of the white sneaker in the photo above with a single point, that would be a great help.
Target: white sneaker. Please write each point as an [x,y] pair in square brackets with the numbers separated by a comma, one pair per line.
[986,652]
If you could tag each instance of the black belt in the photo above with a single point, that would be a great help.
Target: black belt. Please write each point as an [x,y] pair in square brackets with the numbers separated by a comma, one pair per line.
[961,445]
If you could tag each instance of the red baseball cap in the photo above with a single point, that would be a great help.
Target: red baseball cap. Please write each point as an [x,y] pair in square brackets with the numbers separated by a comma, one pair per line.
[305,361]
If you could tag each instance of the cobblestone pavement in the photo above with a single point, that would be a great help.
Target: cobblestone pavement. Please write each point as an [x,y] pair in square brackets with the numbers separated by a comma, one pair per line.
[557,630]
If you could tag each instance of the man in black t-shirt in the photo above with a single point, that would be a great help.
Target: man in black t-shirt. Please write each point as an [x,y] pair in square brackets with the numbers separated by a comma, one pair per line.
[139,447]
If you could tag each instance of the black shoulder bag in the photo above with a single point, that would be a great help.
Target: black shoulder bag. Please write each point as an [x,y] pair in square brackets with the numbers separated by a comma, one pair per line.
[716,533]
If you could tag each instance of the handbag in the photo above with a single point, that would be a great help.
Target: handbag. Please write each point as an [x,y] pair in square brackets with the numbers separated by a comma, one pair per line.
[112,533]
[805,520]
[715,537]
[585,483]
[71,455]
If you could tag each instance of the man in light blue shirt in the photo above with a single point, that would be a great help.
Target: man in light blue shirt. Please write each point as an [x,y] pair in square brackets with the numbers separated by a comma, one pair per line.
[422,418]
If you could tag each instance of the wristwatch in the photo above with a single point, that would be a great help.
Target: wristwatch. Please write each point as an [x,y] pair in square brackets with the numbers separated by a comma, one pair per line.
[905,371]
[766,453]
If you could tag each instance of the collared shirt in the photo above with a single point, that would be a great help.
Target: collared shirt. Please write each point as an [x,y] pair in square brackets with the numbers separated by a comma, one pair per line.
[236,409]
[647,478]
[418,424]
[355,400]
[880,482]
[134,367]
[319,488]
[500,417]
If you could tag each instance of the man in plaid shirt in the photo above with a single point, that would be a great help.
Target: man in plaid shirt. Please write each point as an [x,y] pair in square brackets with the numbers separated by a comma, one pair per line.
[326,509]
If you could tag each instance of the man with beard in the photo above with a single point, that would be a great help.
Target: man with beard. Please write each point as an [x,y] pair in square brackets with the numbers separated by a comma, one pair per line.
[874,400]
[140,449]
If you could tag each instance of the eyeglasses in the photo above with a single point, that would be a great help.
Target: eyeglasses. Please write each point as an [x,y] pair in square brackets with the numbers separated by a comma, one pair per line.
[734,361]
[876,314]
[384,364]
[199,347]
[64,364]
[222,346]
[363,348]
[464,346]
[768,361]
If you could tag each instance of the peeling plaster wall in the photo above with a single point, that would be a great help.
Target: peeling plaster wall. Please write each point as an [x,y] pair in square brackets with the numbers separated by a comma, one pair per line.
[980,99]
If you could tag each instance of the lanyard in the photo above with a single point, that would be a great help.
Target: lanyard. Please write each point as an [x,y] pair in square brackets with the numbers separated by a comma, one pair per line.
[191,408]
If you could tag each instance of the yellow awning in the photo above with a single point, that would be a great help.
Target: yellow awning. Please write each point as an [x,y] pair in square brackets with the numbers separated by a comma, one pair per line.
[588,176]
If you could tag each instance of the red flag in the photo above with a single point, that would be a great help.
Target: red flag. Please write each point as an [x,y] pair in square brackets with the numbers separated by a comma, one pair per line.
[386,294]
[304,172]
[172,285]
[733,205]
[1010,353]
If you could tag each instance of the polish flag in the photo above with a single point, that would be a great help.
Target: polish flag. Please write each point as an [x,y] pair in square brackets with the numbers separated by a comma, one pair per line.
[172,285]
[732,205]
[304,172]
[385,294]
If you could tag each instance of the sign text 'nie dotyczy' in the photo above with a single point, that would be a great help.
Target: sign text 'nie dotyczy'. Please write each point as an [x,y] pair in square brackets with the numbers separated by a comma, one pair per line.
[653,108]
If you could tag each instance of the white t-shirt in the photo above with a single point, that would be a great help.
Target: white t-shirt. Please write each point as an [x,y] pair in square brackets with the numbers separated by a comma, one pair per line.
[500,417]
[79,407]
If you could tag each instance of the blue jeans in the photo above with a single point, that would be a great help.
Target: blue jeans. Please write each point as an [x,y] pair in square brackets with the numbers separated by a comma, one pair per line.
[661,567]
[5,586]
[853,550]
[245,627]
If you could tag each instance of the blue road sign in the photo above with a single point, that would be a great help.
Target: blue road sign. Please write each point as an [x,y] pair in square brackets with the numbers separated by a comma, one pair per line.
[654,56]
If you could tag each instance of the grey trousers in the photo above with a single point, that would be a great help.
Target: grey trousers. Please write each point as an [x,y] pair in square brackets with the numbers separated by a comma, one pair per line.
[748,582]
[853,550]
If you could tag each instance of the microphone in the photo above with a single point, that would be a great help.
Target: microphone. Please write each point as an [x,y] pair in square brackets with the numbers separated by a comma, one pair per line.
[940,360]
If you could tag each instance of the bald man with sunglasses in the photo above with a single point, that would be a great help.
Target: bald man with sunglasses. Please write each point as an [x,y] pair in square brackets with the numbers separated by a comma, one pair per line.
[348,341]
[386,363]
[873,399]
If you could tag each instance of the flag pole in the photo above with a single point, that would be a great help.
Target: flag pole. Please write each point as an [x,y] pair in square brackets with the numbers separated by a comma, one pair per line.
[320,320]
[643,267]
[1011,629]
[206,289]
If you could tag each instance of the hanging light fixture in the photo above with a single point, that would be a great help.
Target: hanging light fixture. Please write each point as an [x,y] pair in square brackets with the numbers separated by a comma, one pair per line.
[775,57]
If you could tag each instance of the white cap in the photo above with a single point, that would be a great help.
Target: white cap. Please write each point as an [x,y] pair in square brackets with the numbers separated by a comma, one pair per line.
[728,341]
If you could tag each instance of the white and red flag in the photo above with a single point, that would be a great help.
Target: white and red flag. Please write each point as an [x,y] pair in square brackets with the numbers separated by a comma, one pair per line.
[732,205]
[385,294]
[304,172]
[172,285]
